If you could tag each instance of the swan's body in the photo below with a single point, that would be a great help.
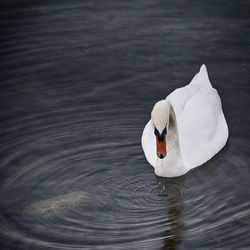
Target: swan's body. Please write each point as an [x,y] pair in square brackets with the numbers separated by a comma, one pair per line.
[196,128]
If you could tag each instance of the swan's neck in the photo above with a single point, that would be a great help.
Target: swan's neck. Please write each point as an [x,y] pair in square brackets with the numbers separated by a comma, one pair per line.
[172,163]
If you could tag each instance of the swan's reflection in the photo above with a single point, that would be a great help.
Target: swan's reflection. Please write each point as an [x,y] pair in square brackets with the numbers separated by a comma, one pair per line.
[171,188]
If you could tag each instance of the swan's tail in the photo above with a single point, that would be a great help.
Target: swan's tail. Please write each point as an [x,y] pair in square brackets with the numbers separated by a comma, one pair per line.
[201,78]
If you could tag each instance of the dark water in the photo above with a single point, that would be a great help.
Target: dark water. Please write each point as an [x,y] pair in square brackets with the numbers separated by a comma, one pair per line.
[78,82]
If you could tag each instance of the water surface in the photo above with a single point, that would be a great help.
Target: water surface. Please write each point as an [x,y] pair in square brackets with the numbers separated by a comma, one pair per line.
[78,82]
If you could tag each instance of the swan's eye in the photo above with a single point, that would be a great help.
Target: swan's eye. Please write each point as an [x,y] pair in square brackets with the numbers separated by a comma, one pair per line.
[164,131]
[156,131]
[162,135]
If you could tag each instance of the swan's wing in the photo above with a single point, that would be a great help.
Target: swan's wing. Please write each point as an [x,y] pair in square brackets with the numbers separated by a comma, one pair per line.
[202,128]
[201,78]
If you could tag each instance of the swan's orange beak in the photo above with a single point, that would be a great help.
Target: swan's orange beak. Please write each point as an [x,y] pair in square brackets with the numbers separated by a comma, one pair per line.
[161,147]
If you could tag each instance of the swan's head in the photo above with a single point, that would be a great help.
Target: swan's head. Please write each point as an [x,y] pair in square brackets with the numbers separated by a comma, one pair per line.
[160,120]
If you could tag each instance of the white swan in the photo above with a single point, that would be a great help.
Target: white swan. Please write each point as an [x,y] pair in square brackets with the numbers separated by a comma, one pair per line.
[186,129]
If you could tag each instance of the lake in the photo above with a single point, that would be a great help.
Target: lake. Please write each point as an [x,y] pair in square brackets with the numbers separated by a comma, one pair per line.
[78,82]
